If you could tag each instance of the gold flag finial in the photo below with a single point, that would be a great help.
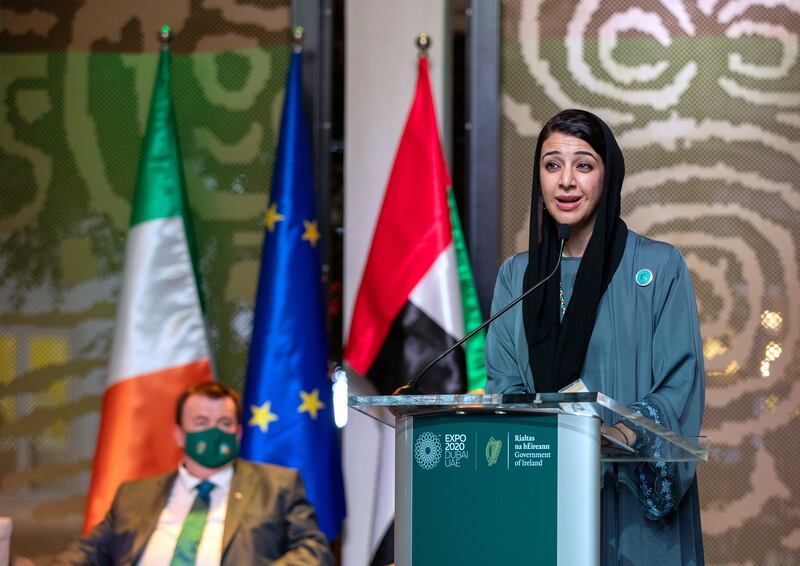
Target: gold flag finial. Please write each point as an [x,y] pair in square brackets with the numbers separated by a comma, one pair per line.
[423,42]
[165,35]
[298,34]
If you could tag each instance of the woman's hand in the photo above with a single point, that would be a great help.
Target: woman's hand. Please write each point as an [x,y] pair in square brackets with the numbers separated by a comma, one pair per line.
[620,432]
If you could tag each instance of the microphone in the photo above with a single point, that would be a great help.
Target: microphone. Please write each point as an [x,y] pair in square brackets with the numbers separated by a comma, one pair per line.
[412,386]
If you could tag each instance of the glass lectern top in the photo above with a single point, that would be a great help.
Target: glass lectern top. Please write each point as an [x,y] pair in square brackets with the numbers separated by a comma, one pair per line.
[654,442]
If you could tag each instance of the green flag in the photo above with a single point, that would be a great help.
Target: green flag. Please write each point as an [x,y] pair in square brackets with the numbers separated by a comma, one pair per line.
[473,349]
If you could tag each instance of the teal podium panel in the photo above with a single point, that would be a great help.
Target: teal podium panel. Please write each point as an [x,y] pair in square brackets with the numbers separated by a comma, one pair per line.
[477,487]
[483,489]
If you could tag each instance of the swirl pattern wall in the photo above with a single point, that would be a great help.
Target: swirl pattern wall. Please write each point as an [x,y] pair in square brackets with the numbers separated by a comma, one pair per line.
[703,97]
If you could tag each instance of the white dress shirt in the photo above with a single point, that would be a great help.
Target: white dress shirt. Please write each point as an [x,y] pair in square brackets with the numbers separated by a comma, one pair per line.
[161,546]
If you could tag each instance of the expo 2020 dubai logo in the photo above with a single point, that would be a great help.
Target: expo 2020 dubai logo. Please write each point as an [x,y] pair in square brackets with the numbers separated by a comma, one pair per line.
[427,450]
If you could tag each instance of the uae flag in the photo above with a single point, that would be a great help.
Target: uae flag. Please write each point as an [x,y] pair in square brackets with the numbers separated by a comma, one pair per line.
[416,298]
[160,346]
[410,305]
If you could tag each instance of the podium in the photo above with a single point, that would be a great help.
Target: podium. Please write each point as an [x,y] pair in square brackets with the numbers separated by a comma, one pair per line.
[508,479]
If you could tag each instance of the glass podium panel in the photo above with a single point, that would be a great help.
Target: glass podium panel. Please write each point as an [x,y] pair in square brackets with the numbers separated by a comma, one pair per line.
[654,442]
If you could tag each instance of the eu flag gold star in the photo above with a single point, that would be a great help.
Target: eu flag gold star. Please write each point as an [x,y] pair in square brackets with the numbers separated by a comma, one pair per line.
[272,217]
[262,416]
[311,403]
[311,234]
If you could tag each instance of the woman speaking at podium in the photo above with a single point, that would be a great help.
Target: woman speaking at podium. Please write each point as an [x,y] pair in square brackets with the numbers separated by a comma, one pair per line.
[621,316]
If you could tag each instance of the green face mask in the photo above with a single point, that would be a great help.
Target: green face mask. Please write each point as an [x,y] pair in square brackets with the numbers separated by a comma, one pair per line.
[212,447]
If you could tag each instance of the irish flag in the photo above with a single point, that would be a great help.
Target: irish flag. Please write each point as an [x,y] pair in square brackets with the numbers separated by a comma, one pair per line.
[160,344]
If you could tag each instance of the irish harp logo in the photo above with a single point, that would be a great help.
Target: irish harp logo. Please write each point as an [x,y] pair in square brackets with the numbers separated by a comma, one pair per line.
[493,448]
[427,450]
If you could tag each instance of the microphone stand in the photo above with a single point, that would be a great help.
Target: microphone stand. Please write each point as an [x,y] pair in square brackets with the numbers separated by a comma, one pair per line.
[412,387]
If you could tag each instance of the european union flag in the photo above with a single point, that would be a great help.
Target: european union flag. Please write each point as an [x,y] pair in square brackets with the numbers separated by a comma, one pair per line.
[288,397]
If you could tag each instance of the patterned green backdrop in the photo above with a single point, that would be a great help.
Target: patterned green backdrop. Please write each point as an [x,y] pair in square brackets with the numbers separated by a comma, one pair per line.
[704,97]
[75,83]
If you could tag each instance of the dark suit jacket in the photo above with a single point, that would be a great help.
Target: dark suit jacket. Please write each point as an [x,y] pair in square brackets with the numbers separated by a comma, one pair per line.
[268,521]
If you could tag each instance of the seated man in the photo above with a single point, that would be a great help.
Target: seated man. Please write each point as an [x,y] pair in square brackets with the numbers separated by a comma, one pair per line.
[214,509]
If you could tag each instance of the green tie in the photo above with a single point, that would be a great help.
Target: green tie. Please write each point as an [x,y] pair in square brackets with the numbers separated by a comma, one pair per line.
[189,539]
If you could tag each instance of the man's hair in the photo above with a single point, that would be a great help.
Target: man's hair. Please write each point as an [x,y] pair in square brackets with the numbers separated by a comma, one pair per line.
[212,390]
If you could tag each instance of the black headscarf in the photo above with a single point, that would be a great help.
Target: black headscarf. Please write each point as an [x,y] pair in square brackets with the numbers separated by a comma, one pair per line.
[557,348]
